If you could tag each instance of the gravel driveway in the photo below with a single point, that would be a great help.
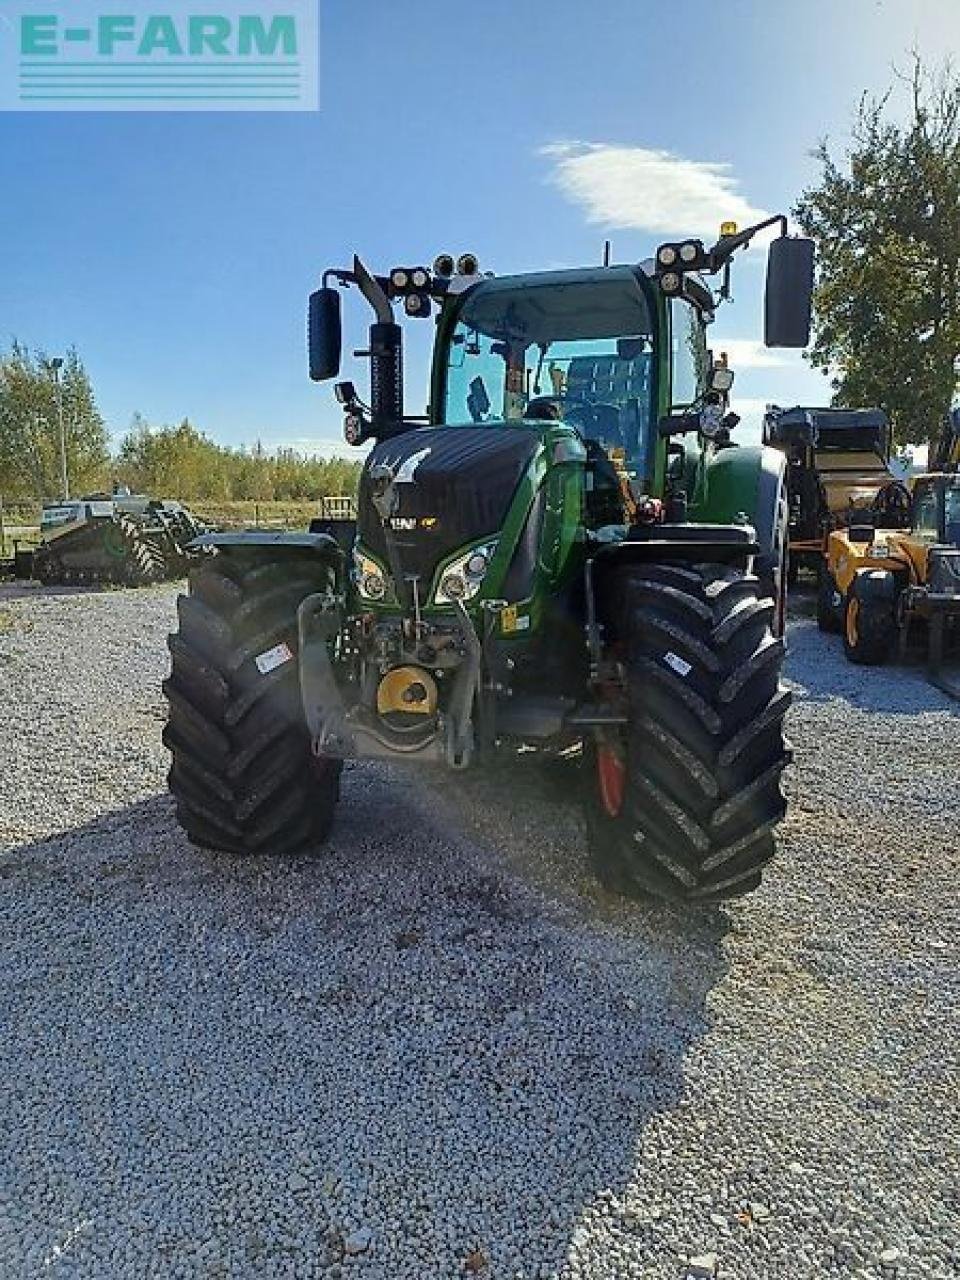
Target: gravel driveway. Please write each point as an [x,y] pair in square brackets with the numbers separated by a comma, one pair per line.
[437,1049]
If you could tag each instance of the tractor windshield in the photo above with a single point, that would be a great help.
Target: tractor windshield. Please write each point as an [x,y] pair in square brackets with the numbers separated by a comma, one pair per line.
[583,339]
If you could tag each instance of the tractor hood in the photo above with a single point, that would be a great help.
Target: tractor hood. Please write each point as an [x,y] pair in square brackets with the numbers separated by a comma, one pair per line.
[451,486]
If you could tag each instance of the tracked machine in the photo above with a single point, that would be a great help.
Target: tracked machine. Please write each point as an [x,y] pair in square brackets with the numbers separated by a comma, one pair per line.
[564,553]
[121,539]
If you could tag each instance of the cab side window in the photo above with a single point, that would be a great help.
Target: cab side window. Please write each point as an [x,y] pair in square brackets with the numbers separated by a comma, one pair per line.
[688,354]
[925,522]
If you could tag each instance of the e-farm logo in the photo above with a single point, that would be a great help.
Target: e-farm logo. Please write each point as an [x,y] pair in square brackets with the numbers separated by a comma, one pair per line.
[98,55]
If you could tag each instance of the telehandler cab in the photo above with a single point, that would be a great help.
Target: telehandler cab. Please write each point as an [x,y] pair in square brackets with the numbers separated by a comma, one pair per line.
[881,581]
[566,551]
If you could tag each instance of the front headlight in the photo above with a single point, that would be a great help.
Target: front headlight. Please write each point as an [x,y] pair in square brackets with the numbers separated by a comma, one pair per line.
[370,579]
[463,577]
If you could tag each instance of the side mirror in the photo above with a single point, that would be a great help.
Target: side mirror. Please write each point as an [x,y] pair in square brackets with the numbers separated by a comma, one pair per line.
[789,292]
[323,334]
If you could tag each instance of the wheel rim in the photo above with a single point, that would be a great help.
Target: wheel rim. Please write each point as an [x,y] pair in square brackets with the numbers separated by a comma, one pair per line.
[611,779]
[853,623]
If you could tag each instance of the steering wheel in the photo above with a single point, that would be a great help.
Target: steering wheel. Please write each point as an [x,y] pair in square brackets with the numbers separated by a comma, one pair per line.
[580,414]
[891,507]
[544,409]
[598,421]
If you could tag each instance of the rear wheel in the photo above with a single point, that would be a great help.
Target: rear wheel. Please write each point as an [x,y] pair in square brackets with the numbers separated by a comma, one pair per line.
[829,600]
[869,630]
[243,774]
[683,800]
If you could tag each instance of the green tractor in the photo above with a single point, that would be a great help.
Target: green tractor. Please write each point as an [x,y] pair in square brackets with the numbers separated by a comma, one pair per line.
[565,553]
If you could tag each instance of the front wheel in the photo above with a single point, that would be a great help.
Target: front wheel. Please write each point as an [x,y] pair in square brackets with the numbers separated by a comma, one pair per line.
[829,600]
[683,799]
[242,774]
[868,630]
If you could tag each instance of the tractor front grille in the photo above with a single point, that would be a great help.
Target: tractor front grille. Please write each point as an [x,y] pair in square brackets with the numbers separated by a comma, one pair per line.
[453,486]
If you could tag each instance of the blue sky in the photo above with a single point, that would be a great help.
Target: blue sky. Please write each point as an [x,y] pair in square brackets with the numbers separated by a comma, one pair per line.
[176,251]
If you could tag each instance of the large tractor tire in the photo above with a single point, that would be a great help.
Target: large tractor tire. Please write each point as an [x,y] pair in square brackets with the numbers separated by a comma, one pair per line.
[243,774]
[683,800]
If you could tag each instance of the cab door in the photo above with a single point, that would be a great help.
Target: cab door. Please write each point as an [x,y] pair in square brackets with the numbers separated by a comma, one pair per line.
[925,531]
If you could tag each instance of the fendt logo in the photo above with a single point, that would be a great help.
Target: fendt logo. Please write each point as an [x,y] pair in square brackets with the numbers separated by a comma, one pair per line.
[91,55]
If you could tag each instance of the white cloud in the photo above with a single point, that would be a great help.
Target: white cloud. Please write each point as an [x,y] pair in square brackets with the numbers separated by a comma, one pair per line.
[648,190]
[747,353]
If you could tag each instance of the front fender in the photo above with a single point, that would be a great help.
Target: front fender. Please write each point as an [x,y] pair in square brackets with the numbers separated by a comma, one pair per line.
[875,586]
[275,539]
[322,545]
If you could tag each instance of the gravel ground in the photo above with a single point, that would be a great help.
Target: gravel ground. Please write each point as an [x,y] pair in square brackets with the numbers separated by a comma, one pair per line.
[437,1049]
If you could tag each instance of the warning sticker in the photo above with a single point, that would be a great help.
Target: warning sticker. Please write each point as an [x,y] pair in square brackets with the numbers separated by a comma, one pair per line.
[273,658]
[677,663]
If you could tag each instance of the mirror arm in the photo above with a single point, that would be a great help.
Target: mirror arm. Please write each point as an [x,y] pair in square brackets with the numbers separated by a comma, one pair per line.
[726,246]
[373,291]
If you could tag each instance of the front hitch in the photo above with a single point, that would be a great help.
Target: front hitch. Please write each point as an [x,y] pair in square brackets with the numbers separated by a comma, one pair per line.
[354,732]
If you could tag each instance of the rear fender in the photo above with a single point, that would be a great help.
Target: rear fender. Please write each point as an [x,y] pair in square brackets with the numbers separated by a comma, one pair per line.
[746,481]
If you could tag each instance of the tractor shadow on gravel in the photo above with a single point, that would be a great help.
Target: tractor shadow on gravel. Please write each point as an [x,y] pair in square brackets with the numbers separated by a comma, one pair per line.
[397,1034]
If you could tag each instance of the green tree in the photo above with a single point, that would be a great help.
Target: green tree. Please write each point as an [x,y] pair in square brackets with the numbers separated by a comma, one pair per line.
[887,225]
[30,426]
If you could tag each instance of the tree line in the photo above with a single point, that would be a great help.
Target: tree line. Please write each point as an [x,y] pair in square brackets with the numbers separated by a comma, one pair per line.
[183,462]
[168,461]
